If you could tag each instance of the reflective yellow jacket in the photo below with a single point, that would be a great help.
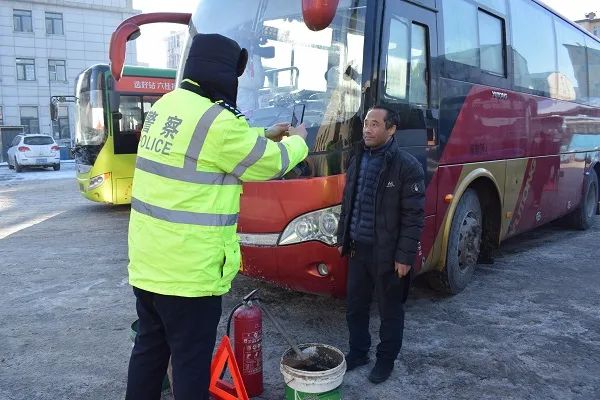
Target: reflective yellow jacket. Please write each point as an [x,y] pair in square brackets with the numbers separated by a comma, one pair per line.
[193,156]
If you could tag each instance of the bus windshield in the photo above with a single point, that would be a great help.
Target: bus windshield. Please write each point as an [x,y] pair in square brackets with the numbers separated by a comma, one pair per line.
[90,127]
[290,64]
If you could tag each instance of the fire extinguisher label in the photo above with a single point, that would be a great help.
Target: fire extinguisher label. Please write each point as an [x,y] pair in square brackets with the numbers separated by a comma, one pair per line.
[252,353]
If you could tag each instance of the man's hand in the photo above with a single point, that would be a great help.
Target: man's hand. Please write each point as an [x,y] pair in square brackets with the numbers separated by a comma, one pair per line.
[402,269]
[277,131]
[300,130]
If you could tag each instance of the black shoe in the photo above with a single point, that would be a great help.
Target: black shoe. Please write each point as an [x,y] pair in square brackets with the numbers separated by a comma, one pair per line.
[381,371]
[355,360]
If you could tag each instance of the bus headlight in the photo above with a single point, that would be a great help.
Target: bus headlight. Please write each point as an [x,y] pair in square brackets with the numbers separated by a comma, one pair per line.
[97,181]
[318,225]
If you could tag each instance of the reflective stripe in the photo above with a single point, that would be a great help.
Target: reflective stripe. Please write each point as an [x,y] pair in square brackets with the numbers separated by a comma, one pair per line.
[255,154]
[183,217]
[189,173]
[185,175]
[285,159]
[199,136]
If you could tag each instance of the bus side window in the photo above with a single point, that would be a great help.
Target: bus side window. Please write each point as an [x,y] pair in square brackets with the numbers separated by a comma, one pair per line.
[418,88]
[399,80]
[131,109]
[395,85]
[406,85]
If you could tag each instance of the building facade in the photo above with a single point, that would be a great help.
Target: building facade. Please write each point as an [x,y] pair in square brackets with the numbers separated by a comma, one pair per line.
[175,43]
[44,45]
[591,23]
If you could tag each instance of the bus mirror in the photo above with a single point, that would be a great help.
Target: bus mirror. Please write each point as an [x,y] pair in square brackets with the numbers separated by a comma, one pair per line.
[53,111]
[130,30]
[318,14]
[134,35]
[266,52]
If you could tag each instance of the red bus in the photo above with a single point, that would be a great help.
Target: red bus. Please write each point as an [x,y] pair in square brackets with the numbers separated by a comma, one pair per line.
[490,103]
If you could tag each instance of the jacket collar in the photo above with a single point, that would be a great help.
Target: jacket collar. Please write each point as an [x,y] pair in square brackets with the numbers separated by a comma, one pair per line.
[389,148]
[190,85]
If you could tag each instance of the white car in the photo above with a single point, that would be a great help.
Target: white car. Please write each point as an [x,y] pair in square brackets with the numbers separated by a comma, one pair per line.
[33,151]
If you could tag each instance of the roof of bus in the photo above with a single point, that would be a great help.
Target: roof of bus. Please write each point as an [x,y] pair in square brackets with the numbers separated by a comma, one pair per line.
[132,70]
[146,71]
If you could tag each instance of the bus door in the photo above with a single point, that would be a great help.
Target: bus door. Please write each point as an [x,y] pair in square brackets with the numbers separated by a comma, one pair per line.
[408,84]
[128,120]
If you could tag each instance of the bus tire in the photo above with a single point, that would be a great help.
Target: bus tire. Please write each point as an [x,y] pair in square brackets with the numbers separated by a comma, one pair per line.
[583,217]
[18,168]
[464,243]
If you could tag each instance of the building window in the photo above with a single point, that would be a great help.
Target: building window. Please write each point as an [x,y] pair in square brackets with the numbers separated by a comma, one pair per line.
[22,21]
[54,23]
[57,70]
[1,116]
[30,120]
[26,69]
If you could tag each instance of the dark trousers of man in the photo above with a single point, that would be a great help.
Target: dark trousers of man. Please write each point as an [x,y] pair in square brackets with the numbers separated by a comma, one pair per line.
[183,328]
[390,292]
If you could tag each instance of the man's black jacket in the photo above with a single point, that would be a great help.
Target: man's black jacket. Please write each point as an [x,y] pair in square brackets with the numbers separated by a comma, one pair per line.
[399,207]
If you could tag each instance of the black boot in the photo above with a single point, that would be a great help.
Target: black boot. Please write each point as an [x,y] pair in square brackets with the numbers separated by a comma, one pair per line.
[354,360]
[381,371]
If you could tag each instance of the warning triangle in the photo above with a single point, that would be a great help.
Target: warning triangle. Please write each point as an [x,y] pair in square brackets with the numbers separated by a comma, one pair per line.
[219,389]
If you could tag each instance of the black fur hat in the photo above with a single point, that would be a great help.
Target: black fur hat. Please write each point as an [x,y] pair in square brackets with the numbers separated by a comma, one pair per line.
[215,62]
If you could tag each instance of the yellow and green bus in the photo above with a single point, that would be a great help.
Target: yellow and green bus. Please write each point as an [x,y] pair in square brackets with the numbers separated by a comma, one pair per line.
[110,116]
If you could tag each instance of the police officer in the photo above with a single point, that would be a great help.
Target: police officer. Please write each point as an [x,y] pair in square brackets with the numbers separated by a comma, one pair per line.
[195,151]
[380,225]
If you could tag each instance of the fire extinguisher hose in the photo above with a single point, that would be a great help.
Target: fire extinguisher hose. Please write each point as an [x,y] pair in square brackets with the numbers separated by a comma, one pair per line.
[229,328]
[231,317]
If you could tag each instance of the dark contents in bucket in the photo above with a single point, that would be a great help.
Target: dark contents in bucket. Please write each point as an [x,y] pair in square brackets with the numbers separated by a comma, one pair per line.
[318,358]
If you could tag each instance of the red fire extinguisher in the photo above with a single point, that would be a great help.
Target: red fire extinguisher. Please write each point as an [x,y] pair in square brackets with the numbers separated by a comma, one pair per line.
[247,342]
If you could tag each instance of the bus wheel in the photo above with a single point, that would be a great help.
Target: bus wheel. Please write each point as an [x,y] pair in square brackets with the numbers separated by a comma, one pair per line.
[583,217]
[464,243]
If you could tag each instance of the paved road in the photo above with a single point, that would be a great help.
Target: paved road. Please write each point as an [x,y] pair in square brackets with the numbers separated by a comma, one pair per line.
[527,328]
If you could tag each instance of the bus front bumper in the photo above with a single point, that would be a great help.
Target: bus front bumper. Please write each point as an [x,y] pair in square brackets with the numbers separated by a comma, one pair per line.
[310,267]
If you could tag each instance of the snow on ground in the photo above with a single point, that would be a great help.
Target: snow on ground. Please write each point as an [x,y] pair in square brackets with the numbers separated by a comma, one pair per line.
[67,171]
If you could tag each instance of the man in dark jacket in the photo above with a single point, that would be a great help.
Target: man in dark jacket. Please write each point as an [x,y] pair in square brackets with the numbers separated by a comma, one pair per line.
[380,225]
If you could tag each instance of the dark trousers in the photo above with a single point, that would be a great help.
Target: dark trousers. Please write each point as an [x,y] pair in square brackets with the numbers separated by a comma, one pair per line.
[183,328]
[364,281]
